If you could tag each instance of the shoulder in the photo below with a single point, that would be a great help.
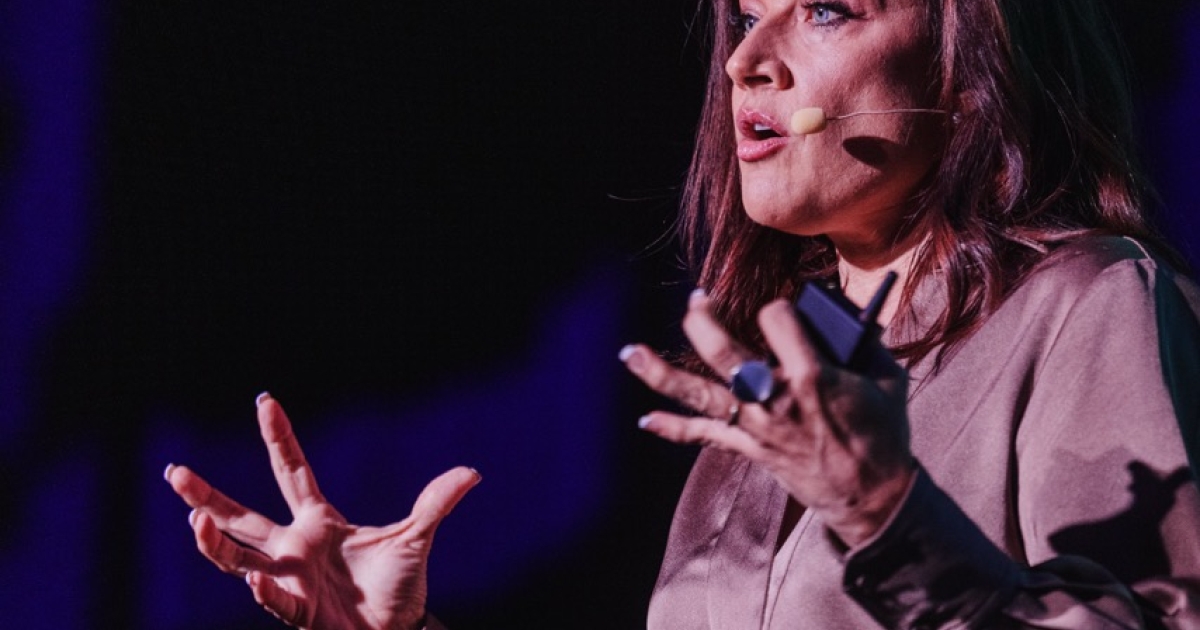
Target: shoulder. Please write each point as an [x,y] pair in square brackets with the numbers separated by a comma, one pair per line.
[1081,261]
[1106,268]
[1109,288]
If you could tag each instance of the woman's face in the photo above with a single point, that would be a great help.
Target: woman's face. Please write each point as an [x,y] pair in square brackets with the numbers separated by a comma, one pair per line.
[851,181]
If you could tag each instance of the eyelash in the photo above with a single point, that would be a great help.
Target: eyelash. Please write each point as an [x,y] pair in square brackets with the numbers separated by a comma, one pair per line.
[840,14]
[742,23]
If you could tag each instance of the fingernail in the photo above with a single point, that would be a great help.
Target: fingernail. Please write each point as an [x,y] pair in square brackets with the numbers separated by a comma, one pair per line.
[167,472]
[250,578]
[643,422]
[258,400]
[632,358]
[697,295]
[478,477]
[192,518]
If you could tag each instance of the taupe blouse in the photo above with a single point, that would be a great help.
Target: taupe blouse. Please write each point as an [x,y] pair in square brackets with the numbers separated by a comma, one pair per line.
[1055,490]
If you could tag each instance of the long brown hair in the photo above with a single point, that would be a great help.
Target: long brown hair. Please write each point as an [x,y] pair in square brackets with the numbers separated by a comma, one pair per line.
[1039,153]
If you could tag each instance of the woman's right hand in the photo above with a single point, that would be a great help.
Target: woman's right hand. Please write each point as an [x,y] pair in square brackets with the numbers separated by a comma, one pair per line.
[835,440]
[320,571]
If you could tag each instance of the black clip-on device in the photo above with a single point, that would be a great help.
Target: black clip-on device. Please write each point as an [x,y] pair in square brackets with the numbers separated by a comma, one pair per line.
[838,328]
[840,331]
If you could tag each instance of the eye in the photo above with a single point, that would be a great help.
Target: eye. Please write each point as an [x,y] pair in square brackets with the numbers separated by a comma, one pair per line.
[822,15]
[827,14]
[742,23]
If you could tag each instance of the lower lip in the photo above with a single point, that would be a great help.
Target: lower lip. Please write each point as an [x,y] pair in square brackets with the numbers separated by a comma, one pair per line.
[755,150]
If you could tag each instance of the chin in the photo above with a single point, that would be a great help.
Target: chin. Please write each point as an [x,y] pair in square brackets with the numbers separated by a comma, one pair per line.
[792,219]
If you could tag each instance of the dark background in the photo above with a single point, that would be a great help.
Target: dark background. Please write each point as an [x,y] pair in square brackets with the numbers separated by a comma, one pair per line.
[426,228]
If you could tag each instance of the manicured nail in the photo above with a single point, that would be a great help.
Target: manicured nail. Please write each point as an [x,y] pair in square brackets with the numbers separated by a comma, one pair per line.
[258,400]
[192,518]
[633,359]
[167,472]
[697,295]
[643,422]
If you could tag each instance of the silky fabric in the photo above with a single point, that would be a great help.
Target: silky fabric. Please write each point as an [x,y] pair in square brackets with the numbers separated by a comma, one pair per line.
[1054,488]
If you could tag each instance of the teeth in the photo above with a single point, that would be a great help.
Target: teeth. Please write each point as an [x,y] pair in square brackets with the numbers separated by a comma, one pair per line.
[759,127]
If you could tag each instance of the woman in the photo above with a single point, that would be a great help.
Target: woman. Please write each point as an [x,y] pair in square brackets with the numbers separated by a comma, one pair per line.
[1046,350]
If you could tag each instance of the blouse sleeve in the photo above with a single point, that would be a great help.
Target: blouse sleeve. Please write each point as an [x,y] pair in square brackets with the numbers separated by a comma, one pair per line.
[1107,507]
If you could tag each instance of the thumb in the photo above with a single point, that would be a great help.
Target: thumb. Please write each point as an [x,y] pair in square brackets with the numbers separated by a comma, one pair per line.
[439,498]
[285,606]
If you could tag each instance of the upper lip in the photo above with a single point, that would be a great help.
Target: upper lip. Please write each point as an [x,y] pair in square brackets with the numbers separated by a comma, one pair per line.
[756,125]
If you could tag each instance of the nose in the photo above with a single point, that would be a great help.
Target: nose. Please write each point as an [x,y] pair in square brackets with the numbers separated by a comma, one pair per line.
[755,62]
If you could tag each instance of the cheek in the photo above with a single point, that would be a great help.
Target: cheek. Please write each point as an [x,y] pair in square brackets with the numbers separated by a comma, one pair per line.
[909,75]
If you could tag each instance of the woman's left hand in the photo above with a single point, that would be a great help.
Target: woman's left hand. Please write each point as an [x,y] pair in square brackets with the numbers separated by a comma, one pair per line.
[835,440]
[320,571]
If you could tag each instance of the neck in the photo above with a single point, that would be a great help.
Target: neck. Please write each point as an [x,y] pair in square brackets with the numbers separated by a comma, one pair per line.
[862,270]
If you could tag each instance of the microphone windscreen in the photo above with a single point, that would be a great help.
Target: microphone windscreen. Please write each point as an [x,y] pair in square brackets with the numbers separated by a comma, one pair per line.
[808,121]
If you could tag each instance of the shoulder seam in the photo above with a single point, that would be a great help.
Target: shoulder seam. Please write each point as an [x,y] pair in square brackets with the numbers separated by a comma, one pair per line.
[1140,247]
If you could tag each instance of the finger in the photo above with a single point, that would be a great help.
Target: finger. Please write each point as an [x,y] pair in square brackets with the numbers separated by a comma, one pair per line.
[684,430]
[246,525]
[799,362]
[798,358]
[292,472]
[267,592]
[709,338]
[782,330]
[774,423]
[222,551]
[692,391]
[439,498]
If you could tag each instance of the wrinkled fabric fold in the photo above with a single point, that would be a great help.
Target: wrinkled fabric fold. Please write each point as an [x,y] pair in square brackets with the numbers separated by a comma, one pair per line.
[1056,490]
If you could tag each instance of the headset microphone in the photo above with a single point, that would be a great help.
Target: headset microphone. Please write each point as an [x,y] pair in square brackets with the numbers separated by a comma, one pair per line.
[812,120]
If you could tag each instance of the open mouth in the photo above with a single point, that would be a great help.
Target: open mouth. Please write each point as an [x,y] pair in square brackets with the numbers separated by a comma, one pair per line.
[759,136]
[759,131]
